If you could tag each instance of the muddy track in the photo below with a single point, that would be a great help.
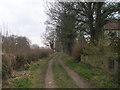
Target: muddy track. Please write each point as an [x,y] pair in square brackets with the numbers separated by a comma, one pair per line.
[78,80]
[49,81]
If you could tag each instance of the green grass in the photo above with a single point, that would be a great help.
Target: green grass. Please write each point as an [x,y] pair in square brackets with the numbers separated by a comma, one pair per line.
[39,71]
[36,77]
[38,74]
[61,78]
[96,76]
[22,83]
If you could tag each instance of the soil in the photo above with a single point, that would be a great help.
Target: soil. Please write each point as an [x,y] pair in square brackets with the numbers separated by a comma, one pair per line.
[49,81]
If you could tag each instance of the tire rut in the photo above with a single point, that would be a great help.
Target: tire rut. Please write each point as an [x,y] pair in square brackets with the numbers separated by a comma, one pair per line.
[49,81]
[78,80]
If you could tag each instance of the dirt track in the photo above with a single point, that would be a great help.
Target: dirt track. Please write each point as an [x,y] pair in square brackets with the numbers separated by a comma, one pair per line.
[78,80]
[49,81]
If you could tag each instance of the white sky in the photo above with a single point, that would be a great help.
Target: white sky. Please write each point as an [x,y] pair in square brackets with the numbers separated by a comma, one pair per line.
[24,17]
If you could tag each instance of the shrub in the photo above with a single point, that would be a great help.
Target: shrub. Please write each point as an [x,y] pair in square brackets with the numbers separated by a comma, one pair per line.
[18,52]
[32,57]
[91,50]
[4,71]
[20,61]
[43,54]
[6,66]
[25,67]
[77,51]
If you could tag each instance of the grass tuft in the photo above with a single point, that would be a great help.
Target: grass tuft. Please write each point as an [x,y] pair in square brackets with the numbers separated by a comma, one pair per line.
[22,83]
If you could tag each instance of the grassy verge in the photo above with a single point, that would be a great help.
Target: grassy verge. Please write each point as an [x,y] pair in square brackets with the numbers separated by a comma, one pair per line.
[22,83]
[33,79]
[38,74]
[61,77]
[96,76]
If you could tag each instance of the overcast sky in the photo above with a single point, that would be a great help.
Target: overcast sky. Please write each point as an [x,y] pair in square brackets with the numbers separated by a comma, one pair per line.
[24,17]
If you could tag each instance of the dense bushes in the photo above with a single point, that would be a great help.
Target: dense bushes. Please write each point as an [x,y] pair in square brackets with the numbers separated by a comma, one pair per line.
[96,55]
[5,70]
[43,54]
[32,57]
[17,52]
[99,56]
[21,60]
[11,62]
[8,62]
[102,49]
